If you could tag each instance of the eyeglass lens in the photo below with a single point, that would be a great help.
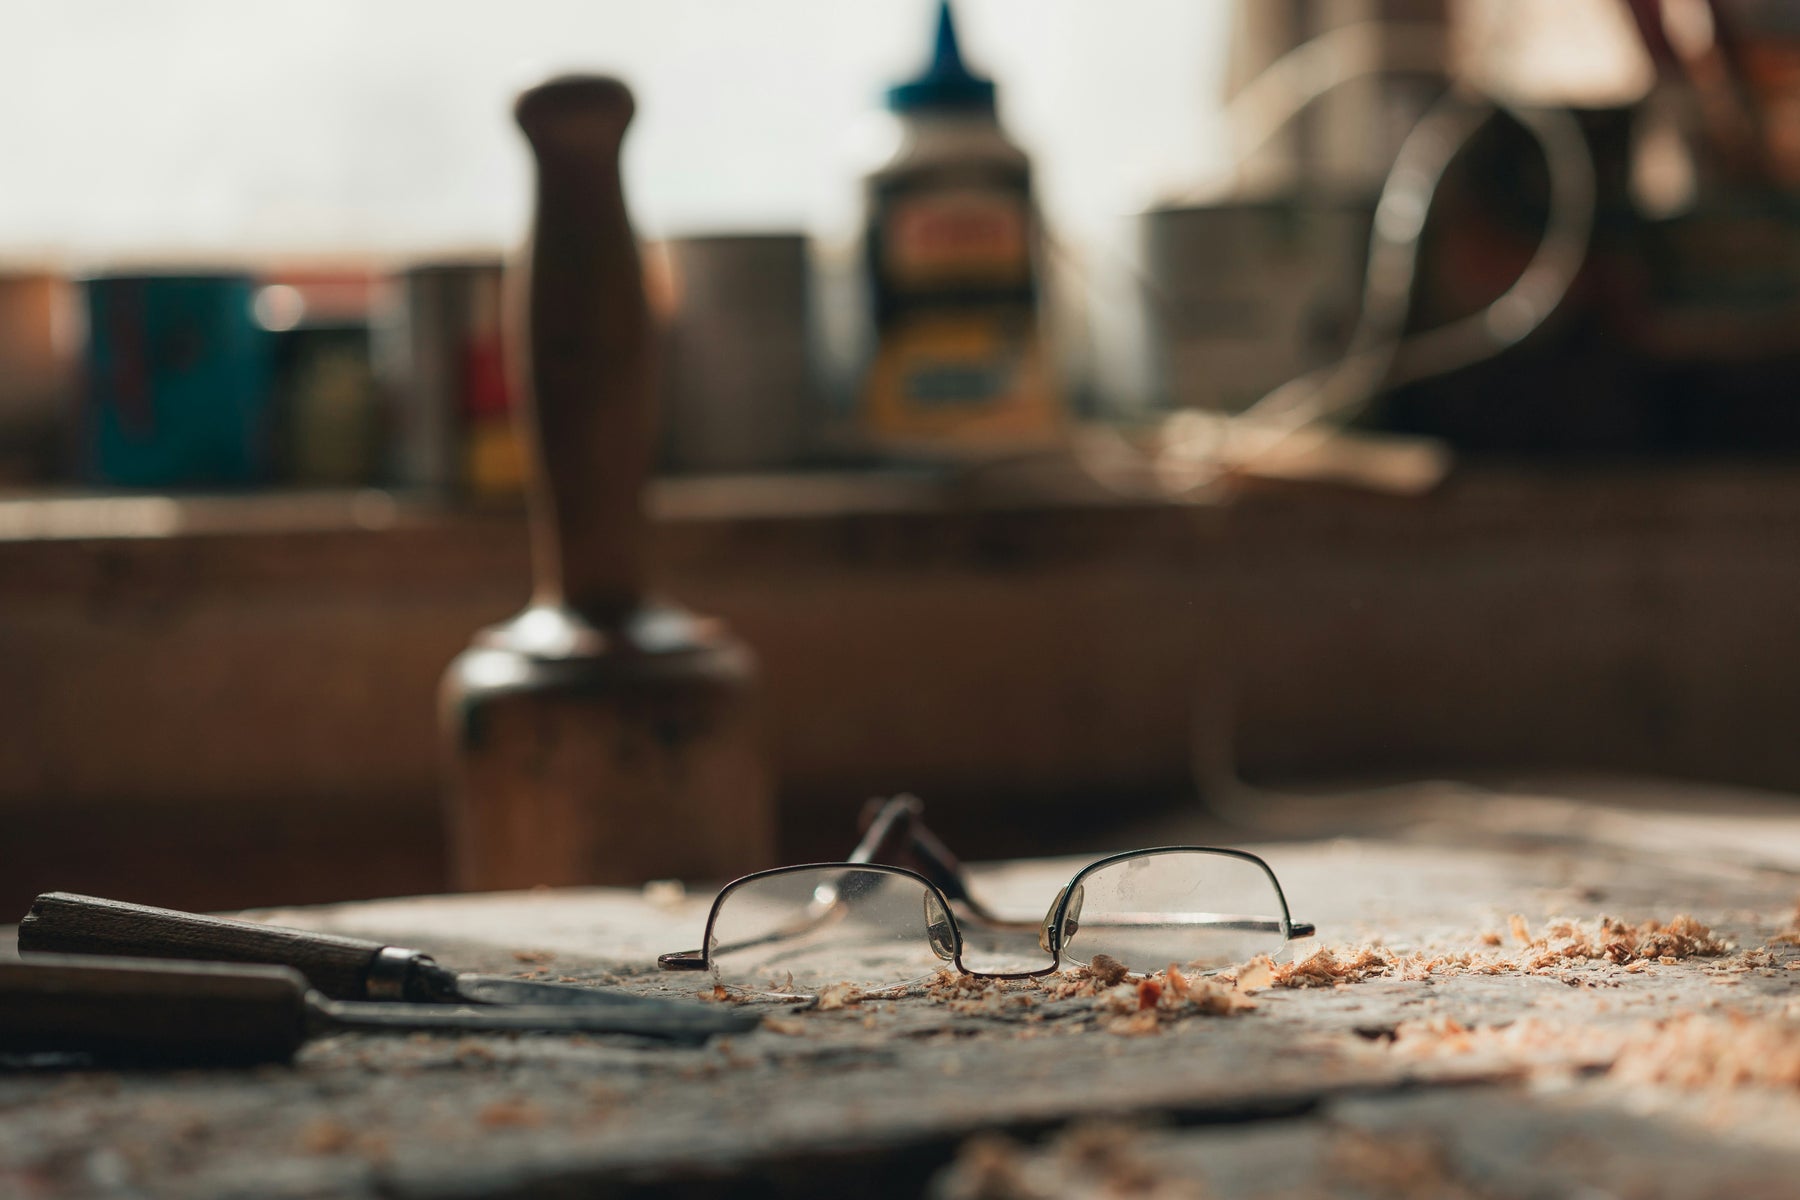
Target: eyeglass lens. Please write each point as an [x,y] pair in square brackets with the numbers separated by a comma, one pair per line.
[800,932]
[1200,910]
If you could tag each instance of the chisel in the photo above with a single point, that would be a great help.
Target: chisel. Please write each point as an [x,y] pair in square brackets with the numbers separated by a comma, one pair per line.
[187,1014]
[340,968]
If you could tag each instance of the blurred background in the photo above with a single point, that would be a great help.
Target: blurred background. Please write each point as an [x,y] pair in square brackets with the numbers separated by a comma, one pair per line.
[1076,417]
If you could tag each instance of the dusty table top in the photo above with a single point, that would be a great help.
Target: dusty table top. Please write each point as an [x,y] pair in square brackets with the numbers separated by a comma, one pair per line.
[1505,1003]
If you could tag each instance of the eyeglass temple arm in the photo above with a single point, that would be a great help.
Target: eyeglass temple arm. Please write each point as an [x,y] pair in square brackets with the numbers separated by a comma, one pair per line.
[887,829]
[894,829]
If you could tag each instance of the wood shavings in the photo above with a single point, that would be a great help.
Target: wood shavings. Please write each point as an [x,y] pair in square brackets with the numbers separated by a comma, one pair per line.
[1691,1052]
[838,995]
[1697,1051]
[1562,942]
[1256,975]
[1524,1047]
[1213,997]
[1143,1008]
[1620,943]
[1079,982]
[1326,967]
[1107,970]
[723,995]
[534,956]
[952,985]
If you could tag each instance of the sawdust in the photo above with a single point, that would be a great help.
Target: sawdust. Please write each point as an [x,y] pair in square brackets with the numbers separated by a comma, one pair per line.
[1256,975]
[1107,970]
[1791,935]
[1326,967]
[952,985]
[1619,943]
[838,995]
[1143,1008]
[1524,1045]
[1084,981]
[1562,943]
[1689,1053]
[1704,1051]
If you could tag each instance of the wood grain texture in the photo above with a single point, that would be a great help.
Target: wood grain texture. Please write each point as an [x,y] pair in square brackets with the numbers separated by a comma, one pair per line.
[1315,1092]
[63,923]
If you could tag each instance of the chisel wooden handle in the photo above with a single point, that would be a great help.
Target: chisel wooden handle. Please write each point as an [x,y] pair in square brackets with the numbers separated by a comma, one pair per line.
[63,923]
[580,315]
[170,1013]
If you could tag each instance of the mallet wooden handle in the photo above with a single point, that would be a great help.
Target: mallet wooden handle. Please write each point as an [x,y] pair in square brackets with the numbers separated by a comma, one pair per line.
[585,374]
[63,923]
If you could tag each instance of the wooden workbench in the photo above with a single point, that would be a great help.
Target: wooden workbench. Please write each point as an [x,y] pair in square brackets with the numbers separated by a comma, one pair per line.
[1470,1056]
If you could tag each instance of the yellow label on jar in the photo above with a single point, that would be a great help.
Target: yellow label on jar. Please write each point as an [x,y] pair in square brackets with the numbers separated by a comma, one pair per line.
[963,379]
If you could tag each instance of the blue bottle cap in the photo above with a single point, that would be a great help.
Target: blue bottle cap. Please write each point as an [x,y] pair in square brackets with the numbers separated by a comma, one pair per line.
[947,84]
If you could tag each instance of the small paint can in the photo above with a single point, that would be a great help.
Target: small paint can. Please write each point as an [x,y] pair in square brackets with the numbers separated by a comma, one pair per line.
[176,387]
[440,350]
[737,387]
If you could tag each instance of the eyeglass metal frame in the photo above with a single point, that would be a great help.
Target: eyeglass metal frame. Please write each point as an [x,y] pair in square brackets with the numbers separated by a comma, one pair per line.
[895,829]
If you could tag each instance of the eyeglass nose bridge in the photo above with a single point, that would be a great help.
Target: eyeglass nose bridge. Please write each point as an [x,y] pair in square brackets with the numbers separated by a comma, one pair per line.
[1054,935]
[940,928]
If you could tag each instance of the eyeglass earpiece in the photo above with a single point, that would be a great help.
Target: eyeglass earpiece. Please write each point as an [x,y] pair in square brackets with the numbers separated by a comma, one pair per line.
[940,930]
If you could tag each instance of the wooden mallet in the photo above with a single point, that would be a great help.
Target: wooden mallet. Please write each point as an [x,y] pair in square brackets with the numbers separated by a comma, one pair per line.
[600,736]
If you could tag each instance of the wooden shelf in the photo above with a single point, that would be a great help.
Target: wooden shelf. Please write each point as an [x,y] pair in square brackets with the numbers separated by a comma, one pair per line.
[177,666]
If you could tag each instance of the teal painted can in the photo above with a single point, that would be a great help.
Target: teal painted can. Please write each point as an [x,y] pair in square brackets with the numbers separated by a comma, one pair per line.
[177,382]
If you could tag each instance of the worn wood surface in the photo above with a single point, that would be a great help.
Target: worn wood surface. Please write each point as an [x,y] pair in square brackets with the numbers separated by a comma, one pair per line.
[1515,1071]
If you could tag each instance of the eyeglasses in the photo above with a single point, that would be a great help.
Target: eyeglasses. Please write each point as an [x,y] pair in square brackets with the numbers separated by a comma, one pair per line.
[878,925]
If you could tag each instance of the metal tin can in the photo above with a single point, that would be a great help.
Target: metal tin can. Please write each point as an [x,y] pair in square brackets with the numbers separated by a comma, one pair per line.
[738,384]
[441,354]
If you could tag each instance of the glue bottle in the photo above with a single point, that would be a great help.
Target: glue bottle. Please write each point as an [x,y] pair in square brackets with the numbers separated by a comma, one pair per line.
[951,249]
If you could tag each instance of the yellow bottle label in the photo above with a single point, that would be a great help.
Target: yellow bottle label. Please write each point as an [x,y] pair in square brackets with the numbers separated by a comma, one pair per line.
[965,379]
